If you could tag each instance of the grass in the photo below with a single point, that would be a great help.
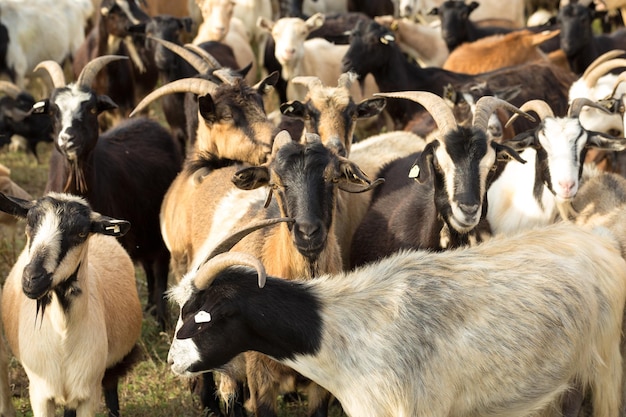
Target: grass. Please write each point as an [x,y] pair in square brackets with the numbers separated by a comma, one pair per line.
[151,389]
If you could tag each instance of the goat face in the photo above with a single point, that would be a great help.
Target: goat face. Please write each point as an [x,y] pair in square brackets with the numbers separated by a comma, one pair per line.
[217,14]
[74,111]
[460,166]
[370,47]
[454,16]
[57,229]
[168,28]
[576,32]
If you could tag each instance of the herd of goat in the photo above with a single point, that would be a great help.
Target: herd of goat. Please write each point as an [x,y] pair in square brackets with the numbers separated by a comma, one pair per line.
[411,218]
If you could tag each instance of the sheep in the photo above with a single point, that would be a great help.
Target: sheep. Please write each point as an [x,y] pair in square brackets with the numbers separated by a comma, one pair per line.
[536,193]
[304,178]
[421,42]
[37,31]
[138,156]
[70,308]
[447,207]
[373,51]
[422,333]
[498,51]
[18,120]
[577,39]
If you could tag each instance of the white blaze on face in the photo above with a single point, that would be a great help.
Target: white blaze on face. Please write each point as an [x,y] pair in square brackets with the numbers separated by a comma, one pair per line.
[182,354]
[70,105]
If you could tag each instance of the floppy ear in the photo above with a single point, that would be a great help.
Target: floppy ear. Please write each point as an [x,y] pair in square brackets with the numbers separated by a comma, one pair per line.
[15,206]
[293,108]
[370,107]
[251,178]
[523,140]
[105,103]
[422,168]
[505,153]
[603,141]
[109,226]
[352,179]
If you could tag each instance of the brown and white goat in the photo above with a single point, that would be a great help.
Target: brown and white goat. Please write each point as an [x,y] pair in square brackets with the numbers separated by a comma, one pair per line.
[70,307]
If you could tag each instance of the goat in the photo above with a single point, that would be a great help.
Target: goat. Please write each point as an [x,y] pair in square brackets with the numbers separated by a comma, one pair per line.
[512,11]
[17,118]
[70,307]
[374,51]
[577,39]
[445,208]
[422,333]
[29,37]
[498,51]
[304,178]
[536,193]
[138,156]
[372,8]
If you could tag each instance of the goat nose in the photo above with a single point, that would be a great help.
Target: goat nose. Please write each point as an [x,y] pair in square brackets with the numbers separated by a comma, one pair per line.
[307,230]
[567,186]
[469,209]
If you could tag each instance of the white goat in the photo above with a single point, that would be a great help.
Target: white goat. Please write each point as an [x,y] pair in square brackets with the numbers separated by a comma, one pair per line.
[535,193]
[503,328]
[69,305]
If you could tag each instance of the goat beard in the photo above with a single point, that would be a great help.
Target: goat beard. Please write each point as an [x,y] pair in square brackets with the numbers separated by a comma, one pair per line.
[76,179]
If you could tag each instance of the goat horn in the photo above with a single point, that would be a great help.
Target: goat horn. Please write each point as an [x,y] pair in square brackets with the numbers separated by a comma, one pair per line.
[602,69]
[226,76]
[435,105]
[578,103]
[209,271]
[198,86]
[346,79]
[227,243]
[88,74]
[614,53]
[486,105]
[310,81]
[281,138]
[540,107]
[194,60]
[205,55]
[10,89]
[54,70]
[620,79]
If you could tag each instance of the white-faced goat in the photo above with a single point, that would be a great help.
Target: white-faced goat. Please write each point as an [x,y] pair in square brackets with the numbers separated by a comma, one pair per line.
[534,194]
[136,158]
[502,328]
[445,207]
[70,307]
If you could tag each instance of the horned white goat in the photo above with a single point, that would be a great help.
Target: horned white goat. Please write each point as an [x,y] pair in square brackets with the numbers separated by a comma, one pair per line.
[70,307]
[502,328]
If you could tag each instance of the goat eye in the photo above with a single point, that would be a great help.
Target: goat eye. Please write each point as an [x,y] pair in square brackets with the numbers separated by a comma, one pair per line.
[93,110]
[82,235]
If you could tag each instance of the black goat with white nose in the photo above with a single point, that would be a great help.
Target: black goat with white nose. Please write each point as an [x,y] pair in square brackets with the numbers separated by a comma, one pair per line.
[70,307]
[137,158]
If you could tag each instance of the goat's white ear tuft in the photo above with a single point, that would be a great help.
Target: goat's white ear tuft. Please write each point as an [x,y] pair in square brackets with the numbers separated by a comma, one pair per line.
[202,317]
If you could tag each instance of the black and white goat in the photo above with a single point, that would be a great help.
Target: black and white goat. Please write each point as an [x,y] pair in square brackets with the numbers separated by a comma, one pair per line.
[70,307]
[536,193]
[138,158]
[444,208]
[505,327]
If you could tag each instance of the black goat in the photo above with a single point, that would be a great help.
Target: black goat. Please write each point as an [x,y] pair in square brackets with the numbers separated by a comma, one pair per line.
[137,158]
[456,26]
[578,41]
[373,51]
[448,205]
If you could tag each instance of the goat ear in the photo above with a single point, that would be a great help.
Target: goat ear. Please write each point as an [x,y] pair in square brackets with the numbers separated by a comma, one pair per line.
[433,12]
[15,206]
[523,140]
[293,108]
[353,180]
[206,107]
[472,6]
[40,107]
[315,21]
[105,103]
[267,84]
[606,142]
[370,107]
[506,153]
[251,178]
[422,168]
[109,226]
[244,71]
[265,24]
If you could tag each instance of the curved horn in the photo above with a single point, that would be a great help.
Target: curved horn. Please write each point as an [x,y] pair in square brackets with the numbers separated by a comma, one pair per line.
[540,107]
[486,105]
[620,79]
[194,60]
[209,271]
[88,74]
[54,70]
[309,81]
[280,139]
[204,55]
[578,103]
[602,69]
[10,89]
[435,105]
[198,86]
[614,53]
[227,243]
